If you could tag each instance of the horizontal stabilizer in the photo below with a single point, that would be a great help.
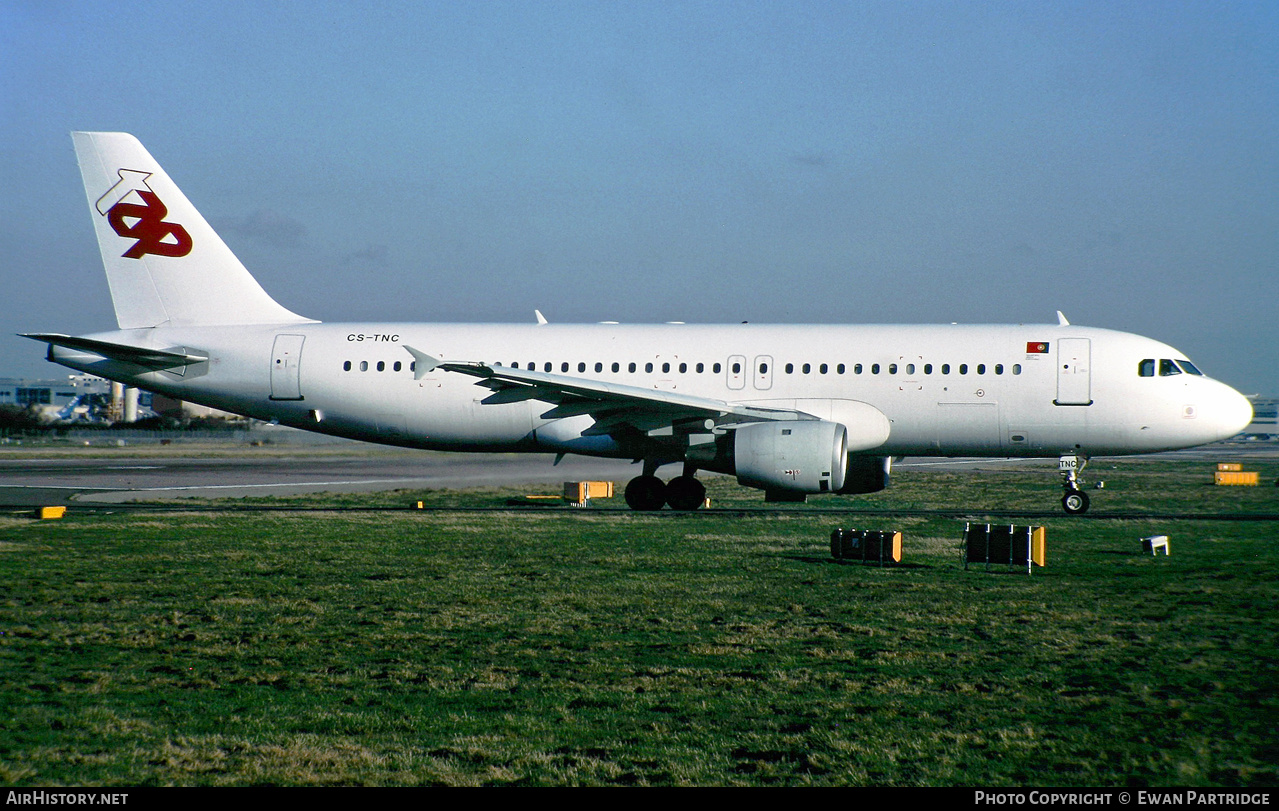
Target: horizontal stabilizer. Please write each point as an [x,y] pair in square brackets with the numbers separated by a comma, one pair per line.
[139,355]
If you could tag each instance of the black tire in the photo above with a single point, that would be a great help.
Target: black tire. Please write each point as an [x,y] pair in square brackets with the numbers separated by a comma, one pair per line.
[645,493]
[1075,502]
[685,493]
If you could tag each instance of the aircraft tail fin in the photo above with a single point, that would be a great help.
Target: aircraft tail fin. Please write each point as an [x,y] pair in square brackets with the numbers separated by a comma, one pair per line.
[165,264]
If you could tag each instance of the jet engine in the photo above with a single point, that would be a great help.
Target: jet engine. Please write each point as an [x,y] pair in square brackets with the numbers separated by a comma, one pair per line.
[801,456]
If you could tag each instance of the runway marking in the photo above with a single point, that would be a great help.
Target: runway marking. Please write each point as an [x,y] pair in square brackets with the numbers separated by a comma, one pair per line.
[980,461]
[50,487]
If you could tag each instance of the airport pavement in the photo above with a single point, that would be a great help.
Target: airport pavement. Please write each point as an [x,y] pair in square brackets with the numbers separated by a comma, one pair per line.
[137,475]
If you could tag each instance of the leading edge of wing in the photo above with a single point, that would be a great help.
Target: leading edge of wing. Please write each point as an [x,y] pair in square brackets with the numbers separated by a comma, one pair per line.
[573,396]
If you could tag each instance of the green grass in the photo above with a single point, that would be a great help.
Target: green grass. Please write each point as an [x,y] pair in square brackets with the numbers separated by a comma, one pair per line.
[599,647]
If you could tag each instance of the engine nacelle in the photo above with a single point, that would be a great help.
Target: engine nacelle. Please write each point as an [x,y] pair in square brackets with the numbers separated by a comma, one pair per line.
[799,456]
[866,474]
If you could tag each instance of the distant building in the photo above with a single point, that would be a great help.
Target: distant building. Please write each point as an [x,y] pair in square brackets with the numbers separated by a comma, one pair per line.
[86,398]
[75,398]
[58,393]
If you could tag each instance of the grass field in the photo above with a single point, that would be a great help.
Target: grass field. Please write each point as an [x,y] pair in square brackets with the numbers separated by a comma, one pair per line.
[600,647]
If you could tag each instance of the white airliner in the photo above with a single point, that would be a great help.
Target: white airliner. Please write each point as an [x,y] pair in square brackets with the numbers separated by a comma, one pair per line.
[791,410]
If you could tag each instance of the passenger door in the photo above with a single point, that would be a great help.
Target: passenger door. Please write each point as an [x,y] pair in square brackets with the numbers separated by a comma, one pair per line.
[286,365]
[1074,376]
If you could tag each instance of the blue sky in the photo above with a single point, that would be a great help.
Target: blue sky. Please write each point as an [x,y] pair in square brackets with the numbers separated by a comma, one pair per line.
[901,162]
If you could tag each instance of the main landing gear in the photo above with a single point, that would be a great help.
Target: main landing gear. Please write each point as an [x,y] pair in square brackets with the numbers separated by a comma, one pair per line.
[647,492]
[1075,500]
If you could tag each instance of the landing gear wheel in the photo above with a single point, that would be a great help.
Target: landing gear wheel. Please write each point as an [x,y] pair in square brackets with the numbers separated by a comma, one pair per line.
[645,493]
[685,493]
[1075,502]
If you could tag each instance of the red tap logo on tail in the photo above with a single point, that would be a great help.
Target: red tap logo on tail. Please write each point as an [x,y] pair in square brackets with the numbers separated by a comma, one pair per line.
[143,222]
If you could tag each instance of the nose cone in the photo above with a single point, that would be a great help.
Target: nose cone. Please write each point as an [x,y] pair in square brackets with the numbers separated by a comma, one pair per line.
[1231,412]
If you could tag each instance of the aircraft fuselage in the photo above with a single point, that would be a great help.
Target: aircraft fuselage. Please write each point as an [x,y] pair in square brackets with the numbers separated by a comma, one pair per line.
[945,390]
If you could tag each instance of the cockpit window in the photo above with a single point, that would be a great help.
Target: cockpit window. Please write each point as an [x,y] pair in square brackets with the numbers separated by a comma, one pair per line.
[1146,368]
[1167,368]
[1189,368]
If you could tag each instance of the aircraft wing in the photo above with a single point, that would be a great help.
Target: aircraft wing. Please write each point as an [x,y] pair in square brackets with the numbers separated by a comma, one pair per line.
[612,405]
[148,358]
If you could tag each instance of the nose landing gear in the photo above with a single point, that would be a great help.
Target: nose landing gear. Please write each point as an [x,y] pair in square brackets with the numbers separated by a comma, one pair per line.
[1075,500]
